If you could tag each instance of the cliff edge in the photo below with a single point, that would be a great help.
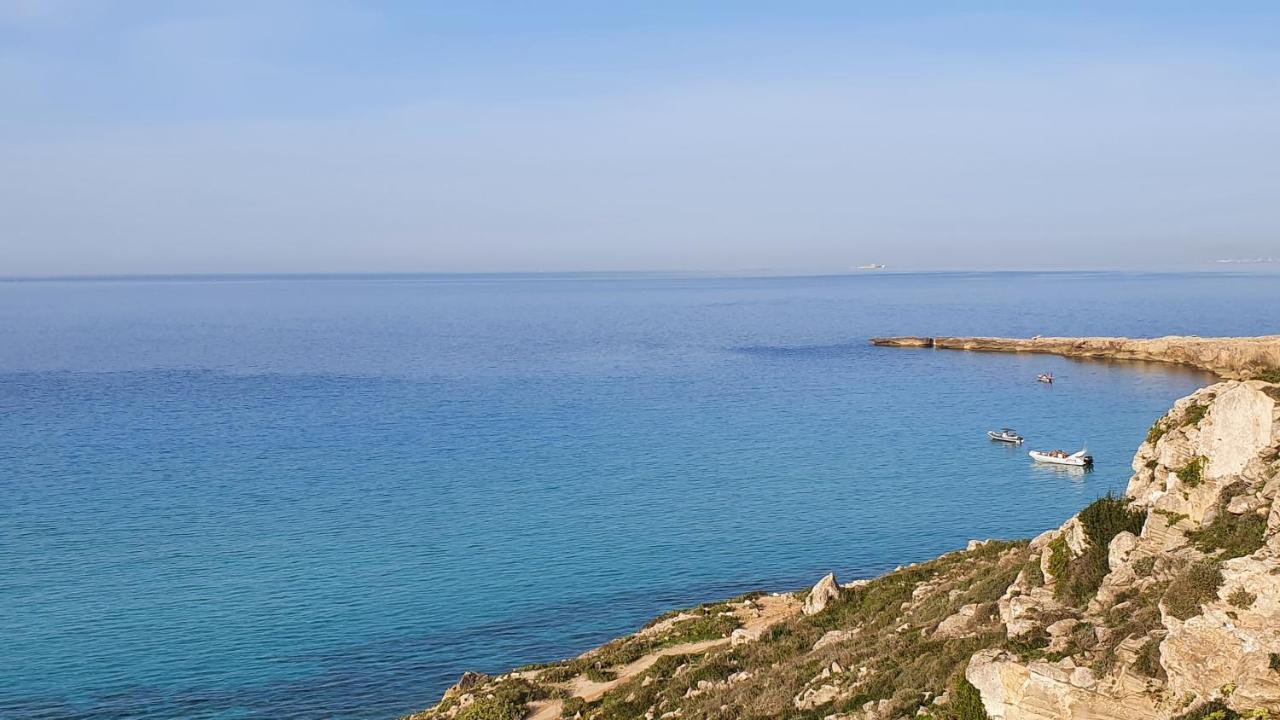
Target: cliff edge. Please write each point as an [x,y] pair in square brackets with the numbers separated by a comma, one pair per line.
[1228,357]
[1163,603]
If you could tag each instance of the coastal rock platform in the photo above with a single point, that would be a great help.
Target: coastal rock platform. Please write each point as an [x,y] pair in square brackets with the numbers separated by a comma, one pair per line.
[1235,358]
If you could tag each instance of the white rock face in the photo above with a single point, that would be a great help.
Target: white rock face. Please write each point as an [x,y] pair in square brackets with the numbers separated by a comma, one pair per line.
[1226,652]
[1237,428]
[1230,644]
[821,595]
[1012,690]
[1122,546]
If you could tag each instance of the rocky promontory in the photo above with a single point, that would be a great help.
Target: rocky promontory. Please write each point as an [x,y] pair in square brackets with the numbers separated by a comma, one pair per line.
[1236,358]
[1163,603]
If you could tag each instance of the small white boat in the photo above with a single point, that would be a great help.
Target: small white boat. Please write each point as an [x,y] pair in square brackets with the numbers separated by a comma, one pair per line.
[1045,378]
[1060,457]
[1008,435]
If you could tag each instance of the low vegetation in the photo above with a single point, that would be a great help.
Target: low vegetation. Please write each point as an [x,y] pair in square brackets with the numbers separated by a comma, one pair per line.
[1196,585]
[1078,579]
[887,652]
[1192,474]
[1194,415]
[1228,535]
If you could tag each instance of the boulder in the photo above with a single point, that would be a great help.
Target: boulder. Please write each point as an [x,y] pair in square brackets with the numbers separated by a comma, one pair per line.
[821,595]
[963,623]
[1121,548]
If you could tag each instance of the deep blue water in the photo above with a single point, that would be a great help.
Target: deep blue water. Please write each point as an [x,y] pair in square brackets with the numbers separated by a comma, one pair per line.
[327,497]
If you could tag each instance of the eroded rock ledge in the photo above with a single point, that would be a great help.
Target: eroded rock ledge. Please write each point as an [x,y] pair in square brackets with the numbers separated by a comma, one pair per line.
[1235,358]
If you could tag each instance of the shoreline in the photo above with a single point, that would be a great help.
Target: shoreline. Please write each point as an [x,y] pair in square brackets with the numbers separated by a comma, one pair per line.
[1231,358]
[1103,614]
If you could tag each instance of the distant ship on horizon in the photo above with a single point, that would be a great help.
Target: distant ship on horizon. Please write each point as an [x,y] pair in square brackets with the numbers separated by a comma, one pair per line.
[1248,261]
[872,266]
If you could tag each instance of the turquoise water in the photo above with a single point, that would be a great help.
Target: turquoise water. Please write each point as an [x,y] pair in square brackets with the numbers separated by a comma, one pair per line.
[327,497]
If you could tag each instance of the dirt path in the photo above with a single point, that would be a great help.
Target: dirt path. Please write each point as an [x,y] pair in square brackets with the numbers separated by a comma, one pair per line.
[766,611]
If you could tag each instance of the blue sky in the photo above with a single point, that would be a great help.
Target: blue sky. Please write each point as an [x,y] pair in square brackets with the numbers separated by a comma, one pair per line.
[149,137]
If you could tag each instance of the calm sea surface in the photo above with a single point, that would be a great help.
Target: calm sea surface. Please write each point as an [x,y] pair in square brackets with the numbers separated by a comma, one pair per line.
[327,497]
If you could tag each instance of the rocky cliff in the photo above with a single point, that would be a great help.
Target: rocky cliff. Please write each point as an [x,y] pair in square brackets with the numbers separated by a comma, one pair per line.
[1163,603]
[1228,357]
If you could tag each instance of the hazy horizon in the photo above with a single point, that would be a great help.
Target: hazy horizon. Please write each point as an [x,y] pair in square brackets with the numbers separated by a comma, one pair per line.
[233,138]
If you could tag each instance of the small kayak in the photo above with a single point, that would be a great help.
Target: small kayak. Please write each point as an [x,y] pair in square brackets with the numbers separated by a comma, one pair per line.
[1008,435]
[1059,457]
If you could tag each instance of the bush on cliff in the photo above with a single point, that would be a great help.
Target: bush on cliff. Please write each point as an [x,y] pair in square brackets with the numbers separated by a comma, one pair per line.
[965,703]
[1195,586]
[1230,535]
[1103,519]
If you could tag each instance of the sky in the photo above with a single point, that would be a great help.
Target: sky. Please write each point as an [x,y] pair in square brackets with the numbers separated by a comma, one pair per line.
[310,136]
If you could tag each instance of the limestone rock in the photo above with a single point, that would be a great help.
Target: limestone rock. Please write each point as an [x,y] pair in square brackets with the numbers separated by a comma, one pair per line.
[821,595]
[1012,690]
[1230,644]
[961,624]
[1121,548]
[831,637]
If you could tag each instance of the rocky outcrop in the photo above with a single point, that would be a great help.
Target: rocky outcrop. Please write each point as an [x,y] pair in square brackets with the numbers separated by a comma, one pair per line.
[1228,357]
[1188,611]
[903,341]
[822,593]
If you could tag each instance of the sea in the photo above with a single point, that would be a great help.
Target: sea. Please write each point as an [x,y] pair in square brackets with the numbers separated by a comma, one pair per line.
[328,496]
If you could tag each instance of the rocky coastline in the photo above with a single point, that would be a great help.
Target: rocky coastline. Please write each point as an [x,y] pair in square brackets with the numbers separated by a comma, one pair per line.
[1163,603]
[1235,358]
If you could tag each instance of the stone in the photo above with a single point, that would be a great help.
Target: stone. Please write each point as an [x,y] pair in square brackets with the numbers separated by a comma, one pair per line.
[1228,644]
[1012,690]
[831,637]
[825,591]
[961,624]
[1121,548]
[1240,505]
[741,636]
[468,681]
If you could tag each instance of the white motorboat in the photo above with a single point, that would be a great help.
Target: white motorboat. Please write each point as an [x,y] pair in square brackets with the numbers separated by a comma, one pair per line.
[1045,378]
[1060,457]
[1008,435]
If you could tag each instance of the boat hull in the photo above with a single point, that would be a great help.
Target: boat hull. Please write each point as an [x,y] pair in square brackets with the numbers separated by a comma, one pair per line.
[1070,460]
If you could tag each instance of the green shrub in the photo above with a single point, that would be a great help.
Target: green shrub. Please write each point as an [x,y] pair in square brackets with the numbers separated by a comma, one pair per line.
[1192,474]
[596,674]
[1103,519]
[1213,710]
[1273,661]
[1156,432]
[1196,585]
[1241,598]
[1032,573]
[1194,415]
[1271,376]
[1148,660]
[1231,536]
[965,703]
[1059,557]
[493,708]
[1144,566]
[1109,516]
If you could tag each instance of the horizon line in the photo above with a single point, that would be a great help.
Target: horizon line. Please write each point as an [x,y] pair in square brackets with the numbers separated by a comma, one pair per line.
[1212,269]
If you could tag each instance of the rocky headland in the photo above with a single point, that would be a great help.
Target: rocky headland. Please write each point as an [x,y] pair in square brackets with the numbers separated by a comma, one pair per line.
[1163,603]
[1235,358]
